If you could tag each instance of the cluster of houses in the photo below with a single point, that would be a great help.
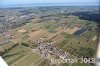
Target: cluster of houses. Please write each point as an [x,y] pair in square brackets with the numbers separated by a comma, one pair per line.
[10,18]
[48,48]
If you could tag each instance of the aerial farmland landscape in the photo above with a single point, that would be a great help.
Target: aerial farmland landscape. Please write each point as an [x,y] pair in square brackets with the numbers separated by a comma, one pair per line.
[35,36]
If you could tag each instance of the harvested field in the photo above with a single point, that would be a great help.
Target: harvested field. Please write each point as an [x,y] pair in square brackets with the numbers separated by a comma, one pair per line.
[58,38]
[40,34]
[22,30]
[72,30]
[94,38]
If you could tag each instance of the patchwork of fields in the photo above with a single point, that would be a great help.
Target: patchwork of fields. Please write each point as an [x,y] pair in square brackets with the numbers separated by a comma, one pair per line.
[72,35]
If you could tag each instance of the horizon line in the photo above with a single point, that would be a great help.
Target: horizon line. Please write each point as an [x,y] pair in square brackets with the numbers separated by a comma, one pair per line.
[48,4]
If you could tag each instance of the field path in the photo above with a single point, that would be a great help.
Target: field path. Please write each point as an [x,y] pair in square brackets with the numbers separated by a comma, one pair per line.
[33,64]
[21,59]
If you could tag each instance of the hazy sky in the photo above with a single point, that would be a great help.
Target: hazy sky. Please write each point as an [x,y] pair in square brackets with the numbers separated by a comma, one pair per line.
[10,2]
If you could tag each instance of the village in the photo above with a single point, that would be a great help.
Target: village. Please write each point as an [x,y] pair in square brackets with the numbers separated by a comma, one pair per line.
[47,50]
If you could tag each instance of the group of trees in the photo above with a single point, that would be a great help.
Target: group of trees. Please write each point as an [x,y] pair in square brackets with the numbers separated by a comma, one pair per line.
[81,52]
[25,44]
[8,49]
[85,52]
